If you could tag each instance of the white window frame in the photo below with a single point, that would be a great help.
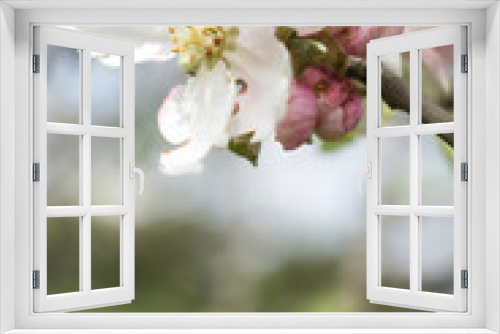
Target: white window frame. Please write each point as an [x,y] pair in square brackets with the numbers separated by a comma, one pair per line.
[483,127]
[87,43]
[413,44]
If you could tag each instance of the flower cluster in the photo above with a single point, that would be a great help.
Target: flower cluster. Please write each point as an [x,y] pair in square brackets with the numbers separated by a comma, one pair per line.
[233,99]
[321,104]
[250,83]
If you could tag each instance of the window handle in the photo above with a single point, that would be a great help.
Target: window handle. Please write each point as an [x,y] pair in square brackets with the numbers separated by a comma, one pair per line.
[138,171]
[368,171]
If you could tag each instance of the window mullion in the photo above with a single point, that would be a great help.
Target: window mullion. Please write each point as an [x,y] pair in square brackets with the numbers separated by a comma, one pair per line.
[85,247]
[81,181]
[414,171]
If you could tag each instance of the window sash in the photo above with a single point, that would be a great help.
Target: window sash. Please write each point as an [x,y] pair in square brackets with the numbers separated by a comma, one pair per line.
[86,297]
[414,298]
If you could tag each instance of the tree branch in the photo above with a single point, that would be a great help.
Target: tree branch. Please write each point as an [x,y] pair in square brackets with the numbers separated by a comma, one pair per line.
[397,95]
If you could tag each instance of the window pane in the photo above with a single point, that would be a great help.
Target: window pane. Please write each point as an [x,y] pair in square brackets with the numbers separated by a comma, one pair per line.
[437,254]
[105,252]
[63,255]
[395,68]
[106,185]
[105,80]
[63,170]
[395,251]
[63,84]
[395,170]
[437,84]
[437,170]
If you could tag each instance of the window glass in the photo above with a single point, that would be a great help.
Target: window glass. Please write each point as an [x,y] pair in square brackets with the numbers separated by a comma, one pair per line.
[105,247]
[437,170]
[105,83]
[63,170]
[63,74]
[437,254]
[395,251]
[63,254]
[395,170]
[106,171]
[437,84]
[395,89]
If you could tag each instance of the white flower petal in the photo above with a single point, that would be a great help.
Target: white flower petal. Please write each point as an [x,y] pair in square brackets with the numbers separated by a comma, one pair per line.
[185,160]
[263,63]
[201,112]
[174,123]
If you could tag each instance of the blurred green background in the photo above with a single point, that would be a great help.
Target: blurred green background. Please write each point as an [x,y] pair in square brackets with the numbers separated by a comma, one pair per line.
[288,236]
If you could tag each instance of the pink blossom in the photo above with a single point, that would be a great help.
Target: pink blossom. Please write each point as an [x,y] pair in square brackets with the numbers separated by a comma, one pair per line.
[298,125]
[353,111]
[329,90]
[335,95]
[312,76]
[339,108]
[330,123]
[337,118]
[355,38]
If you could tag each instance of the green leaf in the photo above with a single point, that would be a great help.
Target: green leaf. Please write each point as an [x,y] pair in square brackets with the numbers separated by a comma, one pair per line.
[243,147]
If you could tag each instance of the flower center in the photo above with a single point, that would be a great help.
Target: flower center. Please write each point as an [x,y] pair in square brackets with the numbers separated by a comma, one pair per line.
[201,44]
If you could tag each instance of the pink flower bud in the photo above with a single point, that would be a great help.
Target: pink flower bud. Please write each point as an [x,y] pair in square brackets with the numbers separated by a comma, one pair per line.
[330,123]
[354,39]
[335,95]
[353,111]
[312,76]
[300,119]
[336,119]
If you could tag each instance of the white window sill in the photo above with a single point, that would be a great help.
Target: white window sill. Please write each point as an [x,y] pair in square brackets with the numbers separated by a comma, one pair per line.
[251,331]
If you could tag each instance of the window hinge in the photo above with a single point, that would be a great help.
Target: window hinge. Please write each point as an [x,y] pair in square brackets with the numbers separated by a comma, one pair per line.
[36,279]
[464,168]
[465,279]
[465,63]
[36,172]
[36,63]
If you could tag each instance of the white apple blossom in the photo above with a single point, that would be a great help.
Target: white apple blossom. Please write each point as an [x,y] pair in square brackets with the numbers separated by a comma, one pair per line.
[245,92]
[263,63]
[196,117]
